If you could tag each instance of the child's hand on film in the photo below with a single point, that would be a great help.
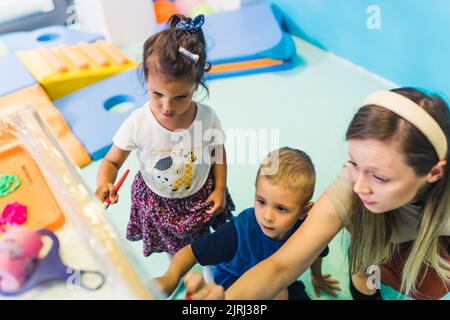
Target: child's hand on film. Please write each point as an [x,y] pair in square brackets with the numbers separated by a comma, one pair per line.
[167,283]
[107,190]
[218,198]
[323,282]
[197,289]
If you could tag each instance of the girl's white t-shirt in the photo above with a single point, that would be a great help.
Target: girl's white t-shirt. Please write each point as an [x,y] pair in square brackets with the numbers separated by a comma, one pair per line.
[174,164]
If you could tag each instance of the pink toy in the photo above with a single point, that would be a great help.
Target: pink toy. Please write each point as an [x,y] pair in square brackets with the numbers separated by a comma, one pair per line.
[14,214]
[19,250]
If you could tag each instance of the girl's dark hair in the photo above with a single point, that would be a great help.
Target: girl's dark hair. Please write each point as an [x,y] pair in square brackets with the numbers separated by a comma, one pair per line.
[161,53]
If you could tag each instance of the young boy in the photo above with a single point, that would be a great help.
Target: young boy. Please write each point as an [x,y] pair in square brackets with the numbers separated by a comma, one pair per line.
[282,201]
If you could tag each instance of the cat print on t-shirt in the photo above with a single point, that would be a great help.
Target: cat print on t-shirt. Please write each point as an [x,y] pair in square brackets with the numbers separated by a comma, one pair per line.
[173,170]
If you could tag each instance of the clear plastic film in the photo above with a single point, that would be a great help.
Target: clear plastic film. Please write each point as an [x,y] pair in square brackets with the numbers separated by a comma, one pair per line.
[88,240]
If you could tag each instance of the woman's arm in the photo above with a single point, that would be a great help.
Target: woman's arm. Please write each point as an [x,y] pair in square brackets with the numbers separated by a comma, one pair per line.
[270,276]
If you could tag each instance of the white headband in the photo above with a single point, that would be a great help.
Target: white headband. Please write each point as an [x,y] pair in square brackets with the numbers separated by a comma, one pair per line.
[413,113]
[192,56]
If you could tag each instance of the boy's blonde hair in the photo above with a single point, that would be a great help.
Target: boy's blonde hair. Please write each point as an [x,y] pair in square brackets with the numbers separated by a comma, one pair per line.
[295,170]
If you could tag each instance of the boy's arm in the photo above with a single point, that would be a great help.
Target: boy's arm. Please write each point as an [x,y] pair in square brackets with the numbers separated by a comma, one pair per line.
[316,267]
[212,249]
[322,281]
[181,263]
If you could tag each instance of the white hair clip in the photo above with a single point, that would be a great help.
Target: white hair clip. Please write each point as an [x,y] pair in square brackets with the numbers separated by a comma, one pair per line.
[192,56]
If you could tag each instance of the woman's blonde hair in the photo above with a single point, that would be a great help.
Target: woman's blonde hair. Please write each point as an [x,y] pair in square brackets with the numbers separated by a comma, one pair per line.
[371,233]
[293,170]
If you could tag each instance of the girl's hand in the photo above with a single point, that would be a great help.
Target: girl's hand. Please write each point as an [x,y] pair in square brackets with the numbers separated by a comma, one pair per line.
[323,282]
[107,190]
[218,198]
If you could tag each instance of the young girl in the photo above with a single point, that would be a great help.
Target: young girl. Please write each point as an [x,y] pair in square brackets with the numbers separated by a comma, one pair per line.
[181,184]
[393,196]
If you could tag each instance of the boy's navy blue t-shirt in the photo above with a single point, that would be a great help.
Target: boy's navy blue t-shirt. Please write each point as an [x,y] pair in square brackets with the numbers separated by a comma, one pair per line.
[237,246]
